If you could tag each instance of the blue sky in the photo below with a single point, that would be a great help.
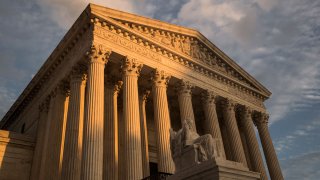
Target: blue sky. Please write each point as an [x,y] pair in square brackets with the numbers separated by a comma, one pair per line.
[277,41]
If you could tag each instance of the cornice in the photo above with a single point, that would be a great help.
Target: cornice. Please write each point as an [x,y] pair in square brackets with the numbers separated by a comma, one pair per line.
[125,17]
[115,32]
[117,14]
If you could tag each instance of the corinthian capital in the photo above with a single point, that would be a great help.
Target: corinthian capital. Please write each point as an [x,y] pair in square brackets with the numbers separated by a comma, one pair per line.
[245,114]
[99,54]
[78,73]
[246,111]
[62,88]
[44,106]
[208,97]
[184,87]
[261,119]
[130,66]
[144,94]
[160,78]
[112,83]
[117,87]
[229,104]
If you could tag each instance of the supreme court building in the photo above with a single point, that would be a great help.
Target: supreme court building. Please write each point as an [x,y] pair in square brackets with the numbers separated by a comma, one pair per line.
[102,104]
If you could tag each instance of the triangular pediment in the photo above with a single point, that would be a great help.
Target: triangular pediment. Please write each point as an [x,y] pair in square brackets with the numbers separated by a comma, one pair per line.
[185,42]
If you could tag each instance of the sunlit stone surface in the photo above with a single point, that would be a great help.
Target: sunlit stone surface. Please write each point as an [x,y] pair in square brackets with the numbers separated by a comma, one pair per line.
[87,115]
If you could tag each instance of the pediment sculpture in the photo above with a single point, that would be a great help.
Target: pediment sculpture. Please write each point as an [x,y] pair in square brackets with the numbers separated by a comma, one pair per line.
[187,45]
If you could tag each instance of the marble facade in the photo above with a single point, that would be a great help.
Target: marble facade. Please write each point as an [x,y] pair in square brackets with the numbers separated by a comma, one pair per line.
[102,104]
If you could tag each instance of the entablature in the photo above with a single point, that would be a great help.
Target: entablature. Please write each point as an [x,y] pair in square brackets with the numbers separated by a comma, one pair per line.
[184,42]
[112,31]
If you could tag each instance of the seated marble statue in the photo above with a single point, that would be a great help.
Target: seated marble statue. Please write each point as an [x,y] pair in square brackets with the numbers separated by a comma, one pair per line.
[186,137]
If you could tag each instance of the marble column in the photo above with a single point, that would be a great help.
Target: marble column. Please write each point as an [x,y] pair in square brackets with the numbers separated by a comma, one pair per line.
[132,166]
[184,90]
[233,132]
[47,136]
[226,142]
[71,167]
[211,120]
[144,94]
[162,121]
[92,151]
[41,141]
[245,147]
[268,148]
[121,141]
[110,144]
[57,133]
[66,109]
[252,142]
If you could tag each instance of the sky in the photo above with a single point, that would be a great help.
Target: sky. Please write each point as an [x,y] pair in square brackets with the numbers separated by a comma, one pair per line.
[276,41]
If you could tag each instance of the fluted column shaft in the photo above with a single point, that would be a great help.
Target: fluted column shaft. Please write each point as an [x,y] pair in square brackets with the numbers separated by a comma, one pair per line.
[226,142]
[71,167]
[92,153]
[66,109]
[144,133]
[233,132]
[252,142]
[57,133]
[211,120]
[110,149]
[122,161]
[46,143]
[184,90]
[245,147]
[131,117]
[162,121]
[37,166]
[268,148]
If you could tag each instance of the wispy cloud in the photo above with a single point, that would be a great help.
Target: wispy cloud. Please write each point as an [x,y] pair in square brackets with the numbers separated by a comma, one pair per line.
[64,13]
[298,139]
[27,38]
[305,166]
[276,41]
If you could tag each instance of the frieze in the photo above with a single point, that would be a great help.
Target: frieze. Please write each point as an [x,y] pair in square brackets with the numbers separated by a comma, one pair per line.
[242,95]
[124,38]
[189,46]
[126,43]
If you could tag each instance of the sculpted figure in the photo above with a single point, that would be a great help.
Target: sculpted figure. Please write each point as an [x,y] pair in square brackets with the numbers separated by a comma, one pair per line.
[156,34]
[176,43]
[203,54]
[187,137]
[186,46]
[195,50]
[166,38]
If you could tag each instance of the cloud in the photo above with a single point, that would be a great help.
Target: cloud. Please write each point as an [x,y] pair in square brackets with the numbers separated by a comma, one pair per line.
[221,14]
[300,140]
[275,41]
[305,166]
[6,98]
[64,13]
[267,5]
[27,38]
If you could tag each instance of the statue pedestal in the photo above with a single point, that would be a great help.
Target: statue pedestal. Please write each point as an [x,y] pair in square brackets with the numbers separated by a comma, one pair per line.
[187,167]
